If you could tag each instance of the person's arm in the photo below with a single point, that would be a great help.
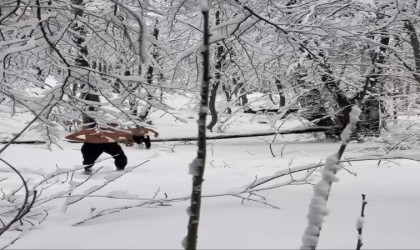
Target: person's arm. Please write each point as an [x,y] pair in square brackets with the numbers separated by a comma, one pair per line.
[128,138]
[75,136]
[136,131]
[151,130]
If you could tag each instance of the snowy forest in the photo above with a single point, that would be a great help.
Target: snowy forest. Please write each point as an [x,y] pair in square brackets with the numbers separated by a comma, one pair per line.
[293,119]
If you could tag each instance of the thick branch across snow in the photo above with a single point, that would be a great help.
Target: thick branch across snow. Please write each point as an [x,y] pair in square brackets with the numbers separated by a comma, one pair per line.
[298,130]
[24,142]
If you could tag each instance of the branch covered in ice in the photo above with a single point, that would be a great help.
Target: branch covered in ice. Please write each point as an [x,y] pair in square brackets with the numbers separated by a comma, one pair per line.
[317,206]
[350,128]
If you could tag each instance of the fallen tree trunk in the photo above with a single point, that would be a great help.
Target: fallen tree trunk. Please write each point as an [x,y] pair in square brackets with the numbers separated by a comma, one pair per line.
[24,142]
[298,130]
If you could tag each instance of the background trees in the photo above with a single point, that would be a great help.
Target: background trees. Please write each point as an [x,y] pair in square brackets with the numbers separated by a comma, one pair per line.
[121,60]
[115,60]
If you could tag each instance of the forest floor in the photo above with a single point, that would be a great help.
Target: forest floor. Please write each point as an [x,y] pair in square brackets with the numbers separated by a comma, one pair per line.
[145,208]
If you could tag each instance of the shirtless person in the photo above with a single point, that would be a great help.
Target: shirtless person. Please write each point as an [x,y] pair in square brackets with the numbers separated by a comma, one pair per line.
[98,140]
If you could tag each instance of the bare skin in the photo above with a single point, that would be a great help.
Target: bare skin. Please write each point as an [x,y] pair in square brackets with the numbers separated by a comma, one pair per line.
[95,135]
[141,131]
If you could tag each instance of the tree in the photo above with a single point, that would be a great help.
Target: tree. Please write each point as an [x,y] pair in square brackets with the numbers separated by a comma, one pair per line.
[198,165]
[77,45]
[220,59]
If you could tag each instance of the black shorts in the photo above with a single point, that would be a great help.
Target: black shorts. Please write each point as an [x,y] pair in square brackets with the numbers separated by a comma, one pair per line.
[92,151]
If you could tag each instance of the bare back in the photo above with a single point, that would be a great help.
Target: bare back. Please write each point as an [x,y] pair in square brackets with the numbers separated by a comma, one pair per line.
[95,135]
[101,136]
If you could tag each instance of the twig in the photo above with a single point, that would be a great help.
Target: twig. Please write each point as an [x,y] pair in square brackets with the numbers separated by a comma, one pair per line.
[360,223]
[291,181]
[96,188]
[25,206]
[110,211]
[254,200]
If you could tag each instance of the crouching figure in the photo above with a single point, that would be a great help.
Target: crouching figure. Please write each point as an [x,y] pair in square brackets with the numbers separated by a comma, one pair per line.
[98,140]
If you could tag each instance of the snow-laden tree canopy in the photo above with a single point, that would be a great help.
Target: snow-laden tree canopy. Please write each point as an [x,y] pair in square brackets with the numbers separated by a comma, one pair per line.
[116,60]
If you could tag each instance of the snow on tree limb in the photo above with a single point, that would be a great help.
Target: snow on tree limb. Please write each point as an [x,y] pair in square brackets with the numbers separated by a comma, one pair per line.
[323,188]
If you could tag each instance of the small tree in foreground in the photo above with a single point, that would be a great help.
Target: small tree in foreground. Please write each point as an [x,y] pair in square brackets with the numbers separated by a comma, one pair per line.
[198,164]
[317,206]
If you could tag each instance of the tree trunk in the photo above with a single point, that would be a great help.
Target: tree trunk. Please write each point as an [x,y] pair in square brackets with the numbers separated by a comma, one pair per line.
[215,86]
[228,99]
[370,118]
[243,94]
[81,56]
[212,104]
[299,130]
[281,93]
[149,76]
[313,110]
[415,45]
[239,90]
[198,165]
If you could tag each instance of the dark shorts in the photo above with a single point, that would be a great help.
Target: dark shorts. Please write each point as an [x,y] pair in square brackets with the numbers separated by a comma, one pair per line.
[92,151]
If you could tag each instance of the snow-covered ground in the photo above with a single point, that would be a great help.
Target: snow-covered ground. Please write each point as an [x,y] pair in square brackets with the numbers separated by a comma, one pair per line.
[127,218]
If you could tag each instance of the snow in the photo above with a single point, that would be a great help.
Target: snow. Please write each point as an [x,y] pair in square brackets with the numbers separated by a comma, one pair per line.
[204,5]
[194,165]
[145,208]
[354,118]
[360,222]
[317,207]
